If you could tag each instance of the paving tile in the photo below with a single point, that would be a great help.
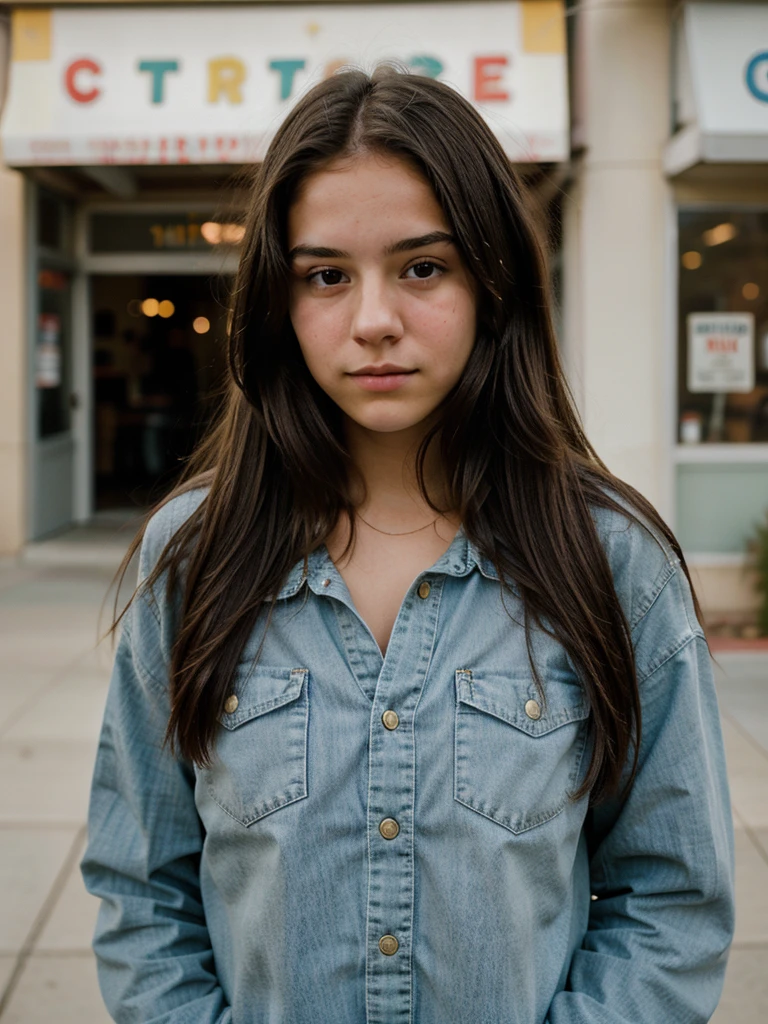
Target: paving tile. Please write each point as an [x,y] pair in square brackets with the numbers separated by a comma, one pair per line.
[41,649]
[30,860]
[761,835]
[743,756]
[70,709]
[750,799]
[71,924]
[19,687]
[751,892]
[745,995]
[63,989]
[45,781]
[7,963]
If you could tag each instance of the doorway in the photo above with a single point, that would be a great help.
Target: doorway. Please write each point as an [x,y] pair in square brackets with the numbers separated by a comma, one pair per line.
[158,359]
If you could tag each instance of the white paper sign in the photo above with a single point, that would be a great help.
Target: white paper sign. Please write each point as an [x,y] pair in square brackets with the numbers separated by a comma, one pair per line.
[721,352]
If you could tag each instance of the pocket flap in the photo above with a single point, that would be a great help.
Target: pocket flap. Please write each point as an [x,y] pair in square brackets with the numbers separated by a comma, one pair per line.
[260,689]
[508,696]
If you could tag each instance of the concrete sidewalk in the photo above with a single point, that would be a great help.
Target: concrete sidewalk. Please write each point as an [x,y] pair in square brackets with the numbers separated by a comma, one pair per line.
[53,682]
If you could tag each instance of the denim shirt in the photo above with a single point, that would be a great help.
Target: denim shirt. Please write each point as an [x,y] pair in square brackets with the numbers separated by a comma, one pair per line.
[392,840]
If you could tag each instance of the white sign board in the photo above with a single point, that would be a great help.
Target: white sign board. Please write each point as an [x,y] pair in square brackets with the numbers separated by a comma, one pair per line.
[721,85]
[721,352]
[139,84]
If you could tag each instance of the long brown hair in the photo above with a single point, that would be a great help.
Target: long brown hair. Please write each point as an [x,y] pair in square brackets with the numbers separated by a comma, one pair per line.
[519,470]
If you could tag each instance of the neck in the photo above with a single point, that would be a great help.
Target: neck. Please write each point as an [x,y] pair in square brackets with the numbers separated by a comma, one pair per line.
[387,465]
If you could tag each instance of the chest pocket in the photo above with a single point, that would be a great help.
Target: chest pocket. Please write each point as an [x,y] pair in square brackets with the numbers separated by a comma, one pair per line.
[517,759]
[260,759]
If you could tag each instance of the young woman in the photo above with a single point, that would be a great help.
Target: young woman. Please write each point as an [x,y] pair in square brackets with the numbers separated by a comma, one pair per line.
[412,718]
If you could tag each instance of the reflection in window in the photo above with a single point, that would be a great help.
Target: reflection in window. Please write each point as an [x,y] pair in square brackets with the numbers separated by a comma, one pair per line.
[723,357]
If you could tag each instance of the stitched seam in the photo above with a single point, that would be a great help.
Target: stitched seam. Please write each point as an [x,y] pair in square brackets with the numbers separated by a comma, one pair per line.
[682,642]
[147,675]
[663,578]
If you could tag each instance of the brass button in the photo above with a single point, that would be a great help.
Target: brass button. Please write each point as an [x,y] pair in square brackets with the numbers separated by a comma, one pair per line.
[423,591]
[389,828]
[533,709]
[390,720]
[326,582]
[388,945]
[230,704]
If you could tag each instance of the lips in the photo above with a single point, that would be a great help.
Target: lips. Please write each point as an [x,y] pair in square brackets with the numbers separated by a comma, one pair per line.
[385,377]
[383,370]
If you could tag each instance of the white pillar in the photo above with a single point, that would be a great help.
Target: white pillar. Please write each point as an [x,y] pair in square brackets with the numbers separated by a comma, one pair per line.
[13,363]
[615,321]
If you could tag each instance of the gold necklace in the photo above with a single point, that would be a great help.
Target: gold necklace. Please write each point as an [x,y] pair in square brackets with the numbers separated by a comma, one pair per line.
[404,533]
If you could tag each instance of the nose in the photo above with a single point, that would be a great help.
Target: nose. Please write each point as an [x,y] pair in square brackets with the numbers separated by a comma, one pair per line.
[376,317]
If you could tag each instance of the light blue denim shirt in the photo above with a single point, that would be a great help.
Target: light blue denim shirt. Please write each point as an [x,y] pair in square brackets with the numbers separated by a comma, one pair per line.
[422,797]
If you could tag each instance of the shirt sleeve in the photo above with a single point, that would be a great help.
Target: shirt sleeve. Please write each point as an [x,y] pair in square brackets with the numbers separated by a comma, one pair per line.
[152,945]
[662,861]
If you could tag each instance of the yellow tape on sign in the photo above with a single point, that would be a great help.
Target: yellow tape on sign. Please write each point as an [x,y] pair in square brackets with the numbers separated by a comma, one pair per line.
[31,35]
[543,26]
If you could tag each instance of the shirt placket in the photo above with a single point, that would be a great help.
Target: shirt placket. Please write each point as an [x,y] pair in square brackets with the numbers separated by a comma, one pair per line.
[390,810]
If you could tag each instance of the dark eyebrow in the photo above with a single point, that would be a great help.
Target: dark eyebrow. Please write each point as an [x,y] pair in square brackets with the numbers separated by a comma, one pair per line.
[319,252]
[404,245]
[419,243]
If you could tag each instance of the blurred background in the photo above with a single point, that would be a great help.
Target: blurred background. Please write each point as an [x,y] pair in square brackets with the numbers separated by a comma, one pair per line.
[127,135]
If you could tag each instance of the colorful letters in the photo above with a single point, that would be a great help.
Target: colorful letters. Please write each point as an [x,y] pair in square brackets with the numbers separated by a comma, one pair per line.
[158,69]
[72,78]
[228,75]
[487,81]
[225,76]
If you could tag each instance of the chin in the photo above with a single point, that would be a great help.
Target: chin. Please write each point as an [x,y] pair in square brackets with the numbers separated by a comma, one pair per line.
[388,421]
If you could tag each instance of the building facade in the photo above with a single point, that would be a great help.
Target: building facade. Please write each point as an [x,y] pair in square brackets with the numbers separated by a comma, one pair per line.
[126,131]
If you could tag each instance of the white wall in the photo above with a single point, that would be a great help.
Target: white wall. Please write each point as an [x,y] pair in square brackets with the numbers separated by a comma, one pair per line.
[615,225]
[13,367]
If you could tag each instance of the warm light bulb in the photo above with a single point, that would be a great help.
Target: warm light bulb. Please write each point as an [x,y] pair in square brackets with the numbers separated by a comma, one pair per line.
[691,260]
[201,325]
[166,308]
[150,307]
[215,234]
[232,234]
[211,232]
[750,290]
[719,234]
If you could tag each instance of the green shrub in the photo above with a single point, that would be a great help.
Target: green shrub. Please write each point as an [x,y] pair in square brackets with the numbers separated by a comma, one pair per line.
[759,561]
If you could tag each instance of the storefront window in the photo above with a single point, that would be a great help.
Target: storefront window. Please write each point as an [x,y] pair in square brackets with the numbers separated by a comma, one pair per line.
[723,327]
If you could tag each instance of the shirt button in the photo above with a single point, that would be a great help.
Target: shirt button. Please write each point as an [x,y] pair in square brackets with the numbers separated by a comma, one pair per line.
[326,582]
[390,720]
[423,591]
[389,828]
[532,709]
[388,945]
[230,704]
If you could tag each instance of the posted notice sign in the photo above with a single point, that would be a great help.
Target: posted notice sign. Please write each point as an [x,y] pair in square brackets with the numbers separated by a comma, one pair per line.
[721,352]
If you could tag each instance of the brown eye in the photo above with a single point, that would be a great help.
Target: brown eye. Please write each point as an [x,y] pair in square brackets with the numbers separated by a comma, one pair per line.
[327,278]
[423,271]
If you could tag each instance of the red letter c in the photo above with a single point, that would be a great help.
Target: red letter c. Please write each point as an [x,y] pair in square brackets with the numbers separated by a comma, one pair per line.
[70,80]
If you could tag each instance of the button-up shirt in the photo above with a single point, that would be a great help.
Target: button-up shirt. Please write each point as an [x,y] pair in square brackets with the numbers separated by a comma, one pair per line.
[393,839]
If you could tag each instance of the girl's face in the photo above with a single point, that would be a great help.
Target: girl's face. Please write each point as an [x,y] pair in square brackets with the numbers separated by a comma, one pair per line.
[381,303]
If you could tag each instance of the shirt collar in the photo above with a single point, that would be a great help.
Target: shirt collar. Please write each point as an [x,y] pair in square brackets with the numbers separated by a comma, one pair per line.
[459,560]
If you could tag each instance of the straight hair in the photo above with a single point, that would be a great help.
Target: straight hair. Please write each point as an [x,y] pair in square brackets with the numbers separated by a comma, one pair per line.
[519,469]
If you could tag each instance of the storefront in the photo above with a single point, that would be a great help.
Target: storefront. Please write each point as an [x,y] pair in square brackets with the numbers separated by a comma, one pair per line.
[132,126]
[717,162]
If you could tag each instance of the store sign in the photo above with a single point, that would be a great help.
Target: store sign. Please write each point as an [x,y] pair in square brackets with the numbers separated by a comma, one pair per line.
[138,85]
[721,87]
[721,352]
